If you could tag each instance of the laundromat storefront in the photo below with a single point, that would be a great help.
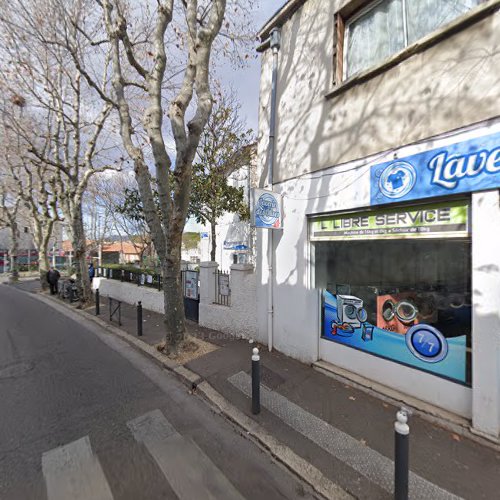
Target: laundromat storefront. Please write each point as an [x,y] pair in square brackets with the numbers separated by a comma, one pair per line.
[395,274]
[397,284]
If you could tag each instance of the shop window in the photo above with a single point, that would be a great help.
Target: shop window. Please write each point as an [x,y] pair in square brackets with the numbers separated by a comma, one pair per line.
[396,293]
[386,27]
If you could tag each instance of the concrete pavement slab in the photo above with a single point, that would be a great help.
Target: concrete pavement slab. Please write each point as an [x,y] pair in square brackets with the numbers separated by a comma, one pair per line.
[453,462]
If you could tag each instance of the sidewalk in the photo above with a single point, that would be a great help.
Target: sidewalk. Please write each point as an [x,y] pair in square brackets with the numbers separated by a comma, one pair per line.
[345,433]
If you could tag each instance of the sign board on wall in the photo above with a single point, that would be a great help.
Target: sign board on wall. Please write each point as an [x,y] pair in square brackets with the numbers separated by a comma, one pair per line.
[191,284]
[437,220]
[224,285]
[267,209]
[463,167]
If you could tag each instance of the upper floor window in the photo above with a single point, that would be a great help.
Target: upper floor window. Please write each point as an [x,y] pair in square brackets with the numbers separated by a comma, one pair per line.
[387,26]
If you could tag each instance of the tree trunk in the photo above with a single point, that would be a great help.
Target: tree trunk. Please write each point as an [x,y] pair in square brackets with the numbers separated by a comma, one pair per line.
[43,266]
[42,234]
[213,225]
[80,262]
[172,290]
[14,250]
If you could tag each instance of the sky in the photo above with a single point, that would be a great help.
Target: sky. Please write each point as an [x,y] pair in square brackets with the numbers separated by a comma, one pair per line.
[245,81]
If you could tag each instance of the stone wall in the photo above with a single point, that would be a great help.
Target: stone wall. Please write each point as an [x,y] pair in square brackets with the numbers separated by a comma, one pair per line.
[130,293]
[240,318]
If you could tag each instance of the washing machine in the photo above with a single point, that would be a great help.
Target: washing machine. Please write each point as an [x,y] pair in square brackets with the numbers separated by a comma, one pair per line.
[350,310]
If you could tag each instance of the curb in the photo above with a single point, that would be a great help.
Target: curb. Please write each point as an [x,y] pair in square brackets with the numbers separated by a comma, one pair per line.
[300,467]
[282,453]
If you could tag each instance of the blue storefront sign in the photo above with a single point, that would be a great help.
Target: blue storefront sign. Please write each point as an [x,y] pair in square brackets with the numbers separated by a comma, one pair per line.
[463,167]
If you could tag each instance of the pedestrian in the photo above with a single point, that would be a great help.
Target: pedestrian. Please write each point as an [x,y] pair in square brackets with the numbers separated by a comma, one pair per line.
[91,272]
[53,276]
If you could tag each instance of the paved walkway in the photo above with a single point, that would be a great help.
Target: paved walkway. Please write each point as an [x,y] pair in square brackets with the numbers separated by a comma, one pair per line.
[84,416]
[344,432]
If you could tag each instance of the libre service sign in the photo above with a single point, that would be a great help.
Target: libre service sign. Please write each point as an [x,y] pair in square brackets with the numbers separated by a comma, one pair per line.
[436,220]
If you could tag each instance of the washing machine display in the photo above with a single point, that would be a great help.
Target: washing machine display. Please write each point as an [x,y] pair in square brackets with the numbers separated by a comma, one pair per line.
[350,310]
[403,337]
[397,312]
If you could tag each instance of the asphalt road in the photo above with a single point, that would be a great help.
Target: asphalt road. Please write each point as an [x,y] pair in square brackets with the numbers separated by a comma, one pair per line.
[84,416]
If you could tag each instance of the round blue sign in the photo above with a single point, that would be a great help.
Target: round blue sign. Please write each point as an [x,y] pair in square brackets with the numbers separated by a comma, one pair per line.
[397,179]
[426,343]
[268,209]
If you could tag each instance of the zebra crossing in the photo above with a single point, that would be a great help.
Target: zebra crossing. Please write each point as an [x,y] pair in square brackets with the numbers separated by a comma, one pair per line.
[73,471]
[189,471]
[363,459]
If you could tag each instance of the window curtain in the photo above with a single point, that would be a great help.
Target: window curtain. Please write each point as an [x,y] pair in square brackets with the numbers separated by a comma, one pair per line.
[425,16]
[379,32]
[374,36]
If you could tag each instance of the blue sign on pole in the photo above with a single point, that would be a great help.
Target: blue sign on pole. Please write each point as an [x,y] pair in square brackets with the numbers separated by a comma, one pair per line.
[464,167]
[267,209]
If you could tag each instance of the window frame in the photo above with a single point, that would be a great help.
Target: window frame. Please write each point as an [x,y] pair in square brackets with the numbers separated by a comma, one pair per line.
[362,11]
[353,10]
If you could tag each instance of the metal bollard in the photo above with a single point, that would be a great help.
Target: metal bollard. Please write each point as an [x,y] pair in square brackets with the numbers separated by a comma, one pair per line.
[139,319]
[71,293]
[255,381]
[401,455]
[97,302]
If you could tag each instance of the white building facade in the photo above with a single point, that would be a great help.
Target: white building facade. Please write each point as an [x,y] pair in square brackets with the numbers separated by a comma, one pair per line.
[235,237]
[387,157]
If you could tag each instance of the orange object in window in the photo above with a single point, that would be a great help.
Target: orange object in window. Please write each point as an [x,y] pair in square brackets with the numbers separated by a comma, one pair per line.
[397,312]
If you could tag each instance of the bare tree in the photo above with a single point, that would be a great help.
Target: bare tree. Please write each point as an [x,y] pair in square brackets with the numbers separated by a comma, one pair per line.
[10,208]
[110,193]
[160,66]
[161,58]
[34,183]
[72,140]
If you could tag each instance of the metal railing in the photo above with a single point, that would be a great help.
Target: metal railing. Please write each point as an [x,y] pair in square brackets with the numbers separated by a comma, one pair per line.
[138,277]
[115,306]
[222,288]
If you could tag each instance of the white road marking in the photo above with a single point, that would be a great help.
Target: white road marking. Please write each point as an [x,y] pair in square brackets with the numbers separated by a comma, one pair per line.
[368,462]
[73,472]
[189,471]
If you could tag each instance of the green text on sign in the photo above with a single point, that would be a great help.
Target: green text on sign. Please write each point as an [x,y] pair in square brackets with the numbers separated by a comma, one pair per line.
[438,220]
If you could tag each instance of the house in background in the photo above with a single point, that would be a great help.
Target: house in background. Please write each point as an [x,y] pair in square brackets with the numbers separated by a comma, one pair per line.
[235,238]
[120,252]
[28,254]
[191,247]
[387,160]
[116,252]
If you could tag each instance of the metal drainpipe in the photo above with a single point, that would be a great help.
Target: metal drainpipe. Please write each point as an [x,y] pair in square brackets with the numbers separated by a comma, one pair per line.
[275,42]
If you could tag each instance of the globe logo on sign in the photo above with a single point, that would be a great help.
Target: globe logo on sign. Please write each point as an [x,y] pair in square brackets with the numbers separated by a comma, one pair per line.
[397,179]
[268,210]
